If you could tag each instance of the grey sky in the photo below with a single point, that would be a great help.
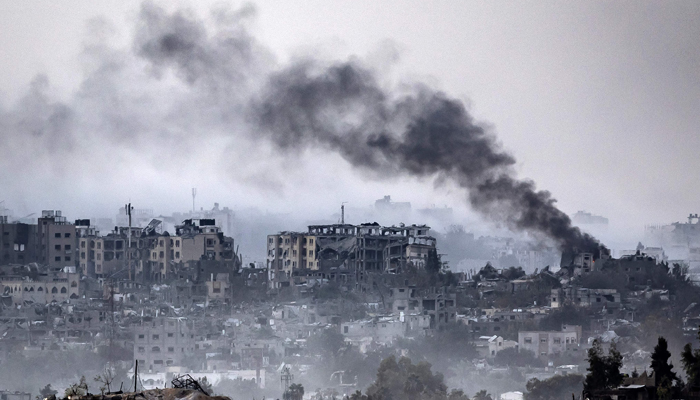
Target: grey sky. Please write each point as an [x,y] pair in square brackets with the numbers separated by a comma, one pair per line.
[597,101]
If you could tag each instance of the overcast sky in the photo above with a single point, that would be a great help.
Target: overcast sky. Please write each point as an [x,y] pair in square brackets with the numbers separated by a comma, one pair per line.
[599,102]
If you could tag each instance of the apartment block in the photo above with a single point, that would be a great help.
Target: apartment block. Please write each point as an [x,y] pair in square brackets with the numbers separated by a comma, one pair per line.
[164,344]
[18,243]
[57,239]
[547,343]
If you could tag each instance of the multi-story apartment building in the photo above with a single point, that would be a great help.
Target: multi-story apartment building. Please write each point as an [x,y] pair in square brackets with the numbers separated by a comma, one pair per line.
[164,251]
[144,255]
[288,251]
[360,248]
[203,240]
[164,344]
[57,239]
[18,243]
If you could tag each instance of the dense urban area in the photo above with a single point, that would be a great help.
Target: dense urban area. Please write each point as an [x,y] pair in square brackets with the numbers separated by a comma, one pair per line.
[365,311]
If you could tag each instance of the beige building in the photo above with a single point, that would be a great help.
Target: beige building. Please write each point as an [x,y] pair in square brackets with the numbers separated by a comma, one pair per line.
[203,240]
[164,251]
[489,346]
[57,240]
[547,343]
[58,286]
[288,251]
[218,287]
[164,344]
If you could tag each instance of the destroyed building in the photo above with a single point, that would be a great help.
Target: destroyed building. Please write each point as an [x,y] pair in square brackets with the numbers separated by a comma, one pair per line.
[362,249]
[144,255]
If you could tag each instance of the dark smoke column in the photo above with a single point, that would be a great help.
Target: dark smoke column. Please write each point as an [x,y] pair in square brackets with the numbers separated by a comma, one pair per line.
[421,133]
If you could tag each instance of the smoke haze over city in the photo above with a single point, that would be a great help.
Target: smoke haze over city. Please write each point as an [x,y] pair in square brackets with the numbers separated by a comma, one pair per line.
[350,199]
[145,94]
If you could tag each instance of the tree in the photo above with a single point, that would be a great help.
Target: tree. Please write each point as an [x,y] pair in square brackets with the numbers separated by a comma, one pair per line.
[613,365]
[397,380]
[603,371]
[554,388]
[691,364]
[46,392]
[457,394]
[659,363]
[294,392]
[482,395]
[77,389]
[106,378]
[433,263]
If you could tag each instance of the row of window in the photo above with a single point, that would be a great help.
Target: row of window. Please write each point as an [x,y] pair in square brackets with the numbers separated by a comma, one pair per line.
[156,349]
[58,235]
[156,337]
[173,254]
[286,241]
[271,253]
[556,340]
[54,290]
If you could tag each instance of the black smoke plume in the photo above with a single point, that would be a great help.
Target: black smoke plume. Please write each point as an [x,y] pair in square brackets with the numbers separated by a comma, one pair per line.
[422,133]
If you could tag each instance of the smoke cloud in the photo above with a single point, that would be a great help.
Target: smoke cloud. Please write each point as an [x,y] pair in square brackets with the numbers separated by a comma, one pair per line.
[423,133]
[193,80]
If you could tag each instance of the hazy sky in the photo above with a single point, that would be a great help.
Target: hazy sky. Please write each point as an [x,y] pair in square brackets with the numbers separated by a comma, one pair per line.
[599,102]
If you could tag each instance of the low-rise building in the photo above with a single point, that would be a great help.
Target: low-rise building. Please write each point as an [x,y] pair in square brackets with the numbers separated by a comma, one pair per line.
[489,346]
[547,343]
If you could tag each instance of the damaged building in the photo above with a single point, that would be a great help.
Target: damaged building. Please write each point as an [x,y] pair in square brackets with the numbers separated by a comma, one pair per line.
[362,249]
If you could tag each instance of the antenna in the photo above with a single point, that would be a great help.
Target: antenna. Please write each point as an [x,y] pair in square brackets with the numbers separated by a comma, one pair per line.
[128,208]
[194,193]
[342,212]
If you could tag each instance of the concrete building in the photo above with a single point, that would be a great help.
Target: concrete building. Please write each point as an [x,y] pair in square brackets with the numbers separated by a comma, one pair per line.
[7,395]
[289,251]
[164,344]
[164,251]
[364,249]
[57,239]
[18,244]
[438,305]
[58,286]
[383,330]
[489,346]
[547,343]
[583,297]
[203,240]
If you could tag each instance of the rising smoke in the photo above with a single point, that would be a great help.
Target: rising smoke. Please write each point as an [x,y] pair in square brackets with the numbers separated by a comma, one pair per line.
[424,133]
[227,80]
